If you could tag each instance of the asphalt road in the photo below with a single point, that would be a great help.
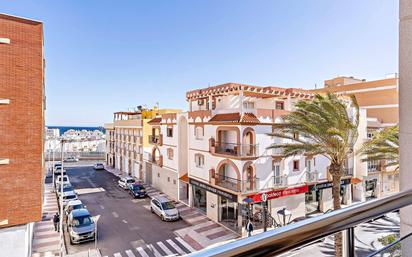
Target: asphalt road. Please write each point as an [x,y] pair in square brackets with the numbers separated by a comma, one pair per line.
[124,223]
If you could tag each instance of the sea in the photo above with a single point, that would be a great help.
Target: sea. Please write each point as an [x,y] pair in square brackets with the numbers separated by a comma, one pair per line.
[63,129]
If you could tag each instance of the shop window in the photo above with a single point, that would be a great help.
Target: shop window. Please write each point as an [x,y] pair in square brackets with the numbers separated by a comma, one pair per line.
[169,132]
[199,160]
[280,105]
[295,165]
[170,153]
[199,133]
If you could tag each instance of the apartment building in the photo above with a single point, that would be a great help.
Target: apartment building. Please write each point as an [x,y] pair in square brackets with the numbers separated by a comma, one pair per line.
[380,100]
[125,140]
[21,132]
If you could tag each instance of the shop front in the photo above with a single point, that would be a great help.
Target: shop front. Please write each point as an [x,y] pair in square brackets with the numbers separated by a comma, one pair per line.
[218,205]
[371,188]
[319,196]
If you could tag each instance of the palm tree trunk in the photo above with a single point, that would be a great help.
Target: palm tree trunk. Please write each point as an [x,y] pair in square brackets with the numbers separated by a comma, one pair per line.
[336,176]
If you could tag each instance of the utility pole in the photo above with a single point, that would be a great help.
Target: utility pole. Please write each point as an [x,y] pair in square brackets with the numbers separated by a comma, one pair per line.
[265,211]
[61,201]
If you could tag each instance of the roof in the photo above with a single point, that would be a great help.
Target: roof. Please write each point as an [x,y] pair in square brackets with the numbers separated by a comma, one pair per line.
[68,193]
[185,178]
[128,113]
[161,199]
[19,19]
[156,120]
[80,212]
[235,118]
[74,202]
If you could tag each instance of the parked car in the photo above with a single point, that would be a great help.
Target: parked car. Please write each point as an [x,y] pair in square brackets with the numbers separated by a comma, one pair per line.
[164,208]
[59,179]
[57,165]
[66,188]
[124,182]
[80,226]
[73,205]
[137,190]
[68,196]
[98,166]
[58,171]
[71,159]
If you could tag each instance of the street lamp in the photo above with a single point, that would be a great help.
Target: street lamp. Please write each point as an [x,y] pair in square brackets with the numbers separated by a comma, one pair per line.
[61,198]
[285,214]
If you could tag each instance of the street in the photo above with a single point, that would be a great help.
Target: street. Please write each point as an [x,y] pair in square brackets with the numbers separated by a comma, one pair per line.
[126,227]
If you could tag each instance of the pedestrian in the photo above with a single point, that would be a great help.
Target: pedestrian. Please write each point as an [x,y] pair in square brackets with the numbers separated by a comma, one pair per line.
[249,228]
[56,220]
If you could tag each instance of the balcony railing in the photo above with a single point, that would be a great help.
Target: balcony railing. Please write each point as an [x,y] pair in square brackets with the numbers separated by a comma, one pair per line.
[237,185]
[278,152]
[155,139]
[312,176]
[240,150]
[296,235]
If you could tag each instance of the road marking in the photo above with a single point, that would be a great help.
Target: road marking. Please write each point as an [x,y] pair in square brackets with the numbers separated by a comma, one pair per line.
[115,214]
[124,221]
[164,248]
[154,251]
[102,207]
[117,255]
[130,253]
[176,247]
[142,252]
[183,242]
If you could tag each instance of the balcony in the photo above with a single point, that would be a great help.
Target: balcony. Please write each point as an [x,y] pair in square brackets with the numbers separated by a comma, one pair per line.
[237,150]
[158,161]
[312,176]
[276,182]
[235,185]
[156,139]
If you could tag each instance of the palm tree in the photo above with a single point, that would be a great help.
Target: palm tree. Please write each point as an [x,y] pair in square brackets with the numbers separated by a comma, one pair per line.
[324,127]
[384,146]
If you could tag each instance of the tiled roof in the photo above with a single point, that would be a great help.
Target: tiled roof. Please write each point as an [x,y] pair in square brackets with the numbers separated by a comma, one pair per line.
[156,120]
[235,118]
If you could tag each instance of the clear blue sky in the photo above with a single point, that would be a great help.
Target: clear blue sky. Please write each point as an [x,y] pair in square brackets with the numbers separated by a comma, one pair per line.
[106,56]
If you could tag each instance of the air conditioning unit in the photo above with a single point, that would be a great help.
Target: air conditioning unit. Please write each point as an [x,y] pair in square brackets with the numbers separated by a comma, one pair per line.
[200,102]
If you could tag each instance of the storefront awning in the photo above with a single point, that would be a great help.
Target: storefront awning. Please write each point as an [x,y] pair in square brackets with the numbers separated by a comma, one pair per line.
[185,178]
[355,180]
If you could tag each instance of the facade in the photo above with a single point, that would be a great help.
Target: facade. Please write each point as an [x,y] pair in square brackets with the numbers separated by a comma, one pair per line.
[381,101]
[22,132]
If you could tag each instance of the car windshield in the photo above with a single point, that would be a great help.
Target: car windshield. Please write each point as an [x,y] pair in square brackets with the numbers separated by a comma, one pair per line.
[129,181]
[82,221]
[168,205]
[66,189]
[70,197]
[78,206]
[138,187]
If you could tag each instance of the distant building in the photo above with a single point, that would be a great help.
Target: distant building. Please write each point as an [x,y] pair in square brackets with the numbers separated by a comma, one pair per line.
[22,132]
[52,133]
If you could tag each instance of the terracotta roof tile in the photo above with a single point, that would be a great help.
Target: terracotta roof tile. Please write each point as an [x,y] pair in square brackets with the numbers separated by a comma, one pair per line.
[156,120]
[235,118]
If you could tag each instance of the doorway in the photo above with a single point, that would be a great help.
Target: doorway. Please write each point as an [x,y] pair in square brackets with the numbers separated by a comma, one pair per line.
[228,213]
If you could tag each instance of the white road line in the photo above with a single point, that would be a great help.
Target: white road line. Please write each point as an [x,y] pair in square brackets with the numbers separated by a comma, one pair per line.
[153,250]
[102,207]
[176,247]
[183,242]
[117,255]
[130,253]
[124,221]
[142,252]
[164,248]
[115,214]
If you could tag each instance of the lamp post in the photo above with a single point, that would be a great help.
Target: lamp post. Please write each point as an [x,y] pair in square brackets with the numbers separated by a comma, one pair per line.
[264,198]
[284,213]
[61,199]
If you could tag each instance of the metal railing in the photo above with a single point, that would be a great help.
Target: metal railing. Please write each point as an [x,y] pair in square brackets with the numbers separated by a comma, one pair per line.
[81,155]
[237,185]
[301,233]
[241,150]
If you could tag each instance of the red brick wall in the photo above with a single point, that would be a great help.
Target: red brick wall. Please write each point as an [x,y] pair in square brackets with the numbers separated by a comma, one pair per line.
[21,121]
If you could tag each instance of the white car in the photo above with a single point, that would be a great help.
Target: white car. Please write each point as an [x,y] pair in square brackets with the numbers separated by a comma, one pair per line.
[98,166]
[58,180]
[73,205]
[164,208]
[71,159]
[68,196]
[124,182]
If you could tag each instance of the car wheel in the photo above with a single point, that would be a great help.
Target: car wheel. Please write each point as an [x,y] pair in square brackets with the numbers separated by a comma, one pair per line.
[151,209]
[71,241]
[162,217]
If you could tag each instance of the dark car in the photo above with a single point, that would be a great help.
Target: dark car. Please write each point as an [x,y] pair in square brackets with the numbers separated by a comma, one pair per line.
[137,190]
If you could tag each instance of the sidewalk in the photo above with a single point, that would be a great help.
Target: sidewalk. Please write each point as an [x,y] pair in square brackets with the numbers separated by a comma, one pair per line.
[46,241]
[203,232]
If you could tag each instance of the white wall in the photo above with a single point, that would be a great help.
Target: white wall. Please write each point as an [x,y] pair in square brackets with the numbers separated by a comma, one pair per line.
[16,241]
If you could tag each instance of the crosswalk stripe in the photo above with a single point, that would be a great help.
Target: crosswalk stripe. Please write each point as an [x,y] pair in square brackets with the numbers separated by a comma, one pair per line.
[164,248]
[176,247]
[117,255]
[183,242]
[154,251]
[142,252]
[130,253]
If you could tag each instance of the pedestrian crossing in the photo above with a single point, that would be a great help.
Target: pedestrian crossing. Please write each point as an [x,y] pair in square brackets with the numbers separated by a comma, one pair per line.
[170,247]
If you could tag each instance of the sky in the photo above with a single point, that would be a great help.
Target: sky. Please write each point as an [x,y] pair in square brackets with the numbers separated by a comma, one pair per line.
[106,56]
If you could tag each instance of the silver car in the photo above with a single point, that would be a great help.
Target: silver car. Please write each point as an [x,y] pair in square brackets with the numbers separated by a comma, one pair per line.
[80,226]
[164,208]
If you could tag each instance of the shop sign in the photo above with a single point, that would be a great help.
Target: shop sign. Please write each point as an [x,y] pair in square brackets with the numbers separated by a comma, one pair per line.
[280,193]
[214,190]
[325,185]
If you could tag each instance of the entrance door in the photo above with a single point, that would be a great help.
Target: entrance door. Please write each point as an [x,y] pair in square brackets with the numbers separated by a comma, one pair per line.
[228,213]
[277,180]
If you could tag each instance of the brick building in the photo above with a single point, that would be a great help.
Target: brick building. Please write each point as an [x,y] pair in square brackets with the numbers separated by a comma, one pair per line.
[21,132]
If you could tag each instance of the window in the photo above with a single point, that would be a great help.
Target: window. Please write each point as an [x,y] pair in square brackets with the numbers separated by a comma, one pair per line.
[199,133]
[296,165]
[296,136]
[158,174]
[170,132]
[248,105]
[276,174]
[168,179]
[280,105]
[170,153]
[174,181]
[199,160]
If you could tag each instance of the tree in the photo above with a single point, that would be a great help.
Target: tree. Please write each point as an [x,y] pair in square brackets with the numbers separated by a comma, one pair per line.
[384,146]
[324,127]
